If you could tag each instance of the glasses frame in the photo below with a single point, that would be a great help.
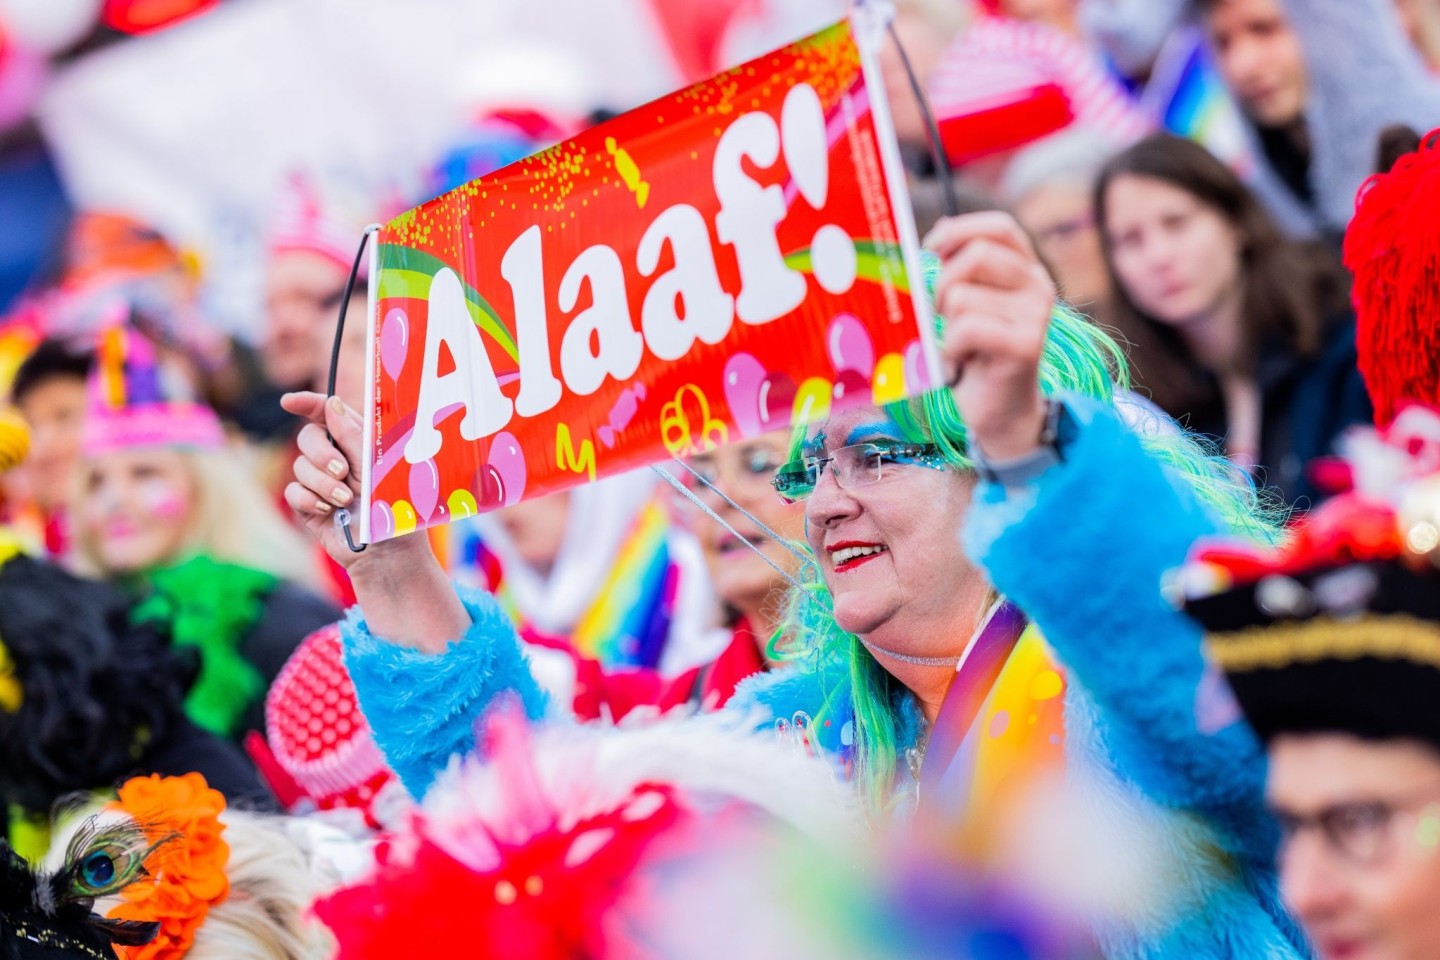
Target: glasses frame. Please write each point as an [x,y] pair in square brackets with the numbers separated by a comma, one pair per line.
[927,453]
[1329,824]
[701,480]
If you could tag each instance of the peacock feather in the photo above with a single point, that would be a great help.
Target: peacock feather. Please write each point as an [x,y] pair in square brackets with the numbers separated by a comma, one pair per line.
[51,914]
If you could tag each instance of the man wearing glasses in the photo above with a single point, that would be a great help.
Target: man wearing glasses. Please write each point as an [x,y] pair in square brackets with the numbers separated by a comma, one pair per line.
[1332,650]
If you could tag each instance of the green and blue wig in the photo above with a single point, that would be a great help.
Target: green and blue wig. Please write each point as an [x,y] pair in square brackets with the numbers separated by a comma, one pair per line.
[1078,357]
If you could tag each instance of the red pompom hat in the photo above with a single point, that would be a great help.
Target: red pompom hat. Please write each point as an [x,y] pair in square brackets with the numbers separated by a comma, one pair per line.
[1393,247]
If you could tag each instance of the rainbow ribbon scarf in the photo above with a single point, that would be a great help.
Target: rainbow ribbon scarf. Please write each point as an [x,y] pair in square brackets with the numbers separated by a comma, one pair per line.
[1001,725]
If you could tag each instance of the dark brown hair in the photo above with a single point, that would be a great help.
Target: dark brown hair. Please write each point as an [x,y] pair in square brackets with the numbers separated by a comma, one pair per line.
[1292,290]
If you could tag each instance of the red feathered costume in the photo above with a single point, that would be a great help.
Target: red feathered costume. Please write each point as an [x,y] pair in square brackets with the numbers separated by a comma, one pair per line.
[1393,248]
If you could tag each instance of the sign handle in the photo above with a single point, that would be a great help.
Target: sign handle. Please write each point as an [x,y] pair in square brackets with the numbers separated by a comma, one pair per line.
[343,518]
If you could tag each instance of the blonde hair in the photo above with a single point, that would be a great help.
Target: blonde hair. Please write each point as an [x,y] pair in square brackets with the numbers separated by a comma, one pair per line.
[232,521]
[266,915]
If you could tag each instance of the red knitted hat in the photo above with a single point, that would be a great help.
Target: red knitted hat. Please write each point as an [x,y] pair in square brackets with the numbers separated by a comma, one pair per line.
[320,738]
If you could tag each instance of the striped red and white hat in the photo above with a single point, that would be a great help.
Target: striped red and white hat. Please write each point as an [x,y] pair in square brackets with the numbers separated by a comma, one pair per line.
[1004,83]
[304,219]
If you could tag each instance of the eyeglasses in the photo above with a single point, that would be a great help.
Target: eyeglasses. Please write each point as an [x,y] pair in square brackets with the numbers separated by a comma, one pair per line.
[853,466]
[1362,832]
[750,475]
[1064,231]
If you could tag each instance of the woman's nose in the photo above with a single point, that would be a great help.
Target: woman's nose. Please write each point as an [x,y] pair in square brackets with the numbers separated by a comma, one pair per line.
[1309,880]
[830,502]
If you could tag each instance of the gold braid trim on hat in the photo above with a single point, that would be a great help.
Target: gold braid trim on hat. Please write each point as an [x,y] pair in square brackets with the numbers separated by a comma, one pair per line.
[1394,637]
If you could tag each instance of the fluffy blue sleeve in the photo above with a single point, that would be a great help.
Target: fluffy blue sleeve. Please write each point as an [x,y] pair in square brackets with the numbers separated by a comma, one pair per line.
[1082,550]
[422,707]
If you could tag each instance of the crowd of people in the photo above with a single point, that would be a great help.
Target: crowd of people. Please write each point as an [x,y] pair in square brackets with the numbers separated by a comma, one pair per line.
[1121,644]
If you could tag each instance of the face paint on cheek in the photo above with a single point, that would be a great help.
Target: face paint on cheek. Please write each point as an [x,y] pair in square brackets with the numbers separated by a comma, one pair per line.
[1427,829]
[164,500]
[811,446]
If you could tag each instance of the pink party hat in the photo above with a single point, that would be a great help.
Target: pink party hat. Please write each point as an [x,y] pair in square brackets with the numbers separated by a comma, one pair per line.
[134,402]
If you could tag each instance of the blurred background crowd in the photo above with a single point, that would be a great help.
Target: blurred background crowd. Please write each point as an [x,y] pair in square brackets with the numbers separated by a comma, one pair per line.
[202,171]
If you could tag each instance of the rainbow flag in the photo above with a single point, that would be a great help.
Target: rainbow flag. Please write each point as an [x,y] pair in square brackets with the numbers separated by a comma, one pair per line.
[1187,96]
[628,622]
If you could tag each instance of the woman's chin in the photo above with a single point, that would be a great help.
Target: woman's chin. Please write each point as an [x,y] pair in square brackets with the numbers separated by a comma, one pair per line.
[859,618]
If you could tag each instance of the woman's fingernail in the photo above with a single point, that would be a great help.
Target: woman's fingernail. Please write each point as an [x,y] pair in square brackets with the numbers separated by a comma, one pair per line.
[337,405]
[322,506]
[336,468]
[342,495]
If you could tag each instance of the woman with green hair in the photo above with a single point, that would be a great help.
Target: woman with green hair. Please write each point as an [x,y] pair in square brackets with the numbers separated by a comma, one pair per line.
[1022,464]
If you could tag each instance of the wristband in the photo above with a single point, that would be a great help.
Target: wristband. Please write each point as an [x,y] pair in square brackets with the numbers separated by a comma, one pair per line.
[1021,471]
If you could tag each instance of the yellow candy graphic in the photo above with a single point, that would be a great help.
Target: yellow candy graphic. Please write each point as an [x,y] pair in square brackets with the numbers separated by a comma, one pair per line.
[404,517]
[812,400]
[629,172]
[889,383]
[462,504]
[684,437]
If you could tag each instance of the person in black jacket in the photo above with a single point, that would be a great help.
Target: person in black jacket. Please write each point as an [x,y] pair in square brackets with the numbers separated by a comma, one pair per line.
[1234,330]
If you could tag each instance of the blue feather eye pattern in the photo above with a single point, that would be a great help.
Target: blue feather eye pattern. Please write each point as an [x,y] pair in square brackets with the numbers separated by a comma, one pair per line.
[97,869]
[104,858]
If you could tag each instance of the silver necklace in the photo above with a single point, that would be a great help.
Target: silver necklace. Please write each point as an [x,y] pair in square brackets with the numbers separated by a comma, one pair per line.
[951,662]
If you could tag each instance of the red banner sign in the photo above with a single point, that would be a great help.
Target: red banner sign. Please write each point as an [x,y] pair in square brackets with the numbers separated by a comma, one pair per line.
[724,261]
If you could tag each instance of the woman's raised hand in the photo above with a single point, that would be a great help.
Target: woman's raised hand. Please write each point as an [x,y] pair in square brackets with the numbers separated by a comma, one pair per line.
[402,589]
[996,298]
[327,477]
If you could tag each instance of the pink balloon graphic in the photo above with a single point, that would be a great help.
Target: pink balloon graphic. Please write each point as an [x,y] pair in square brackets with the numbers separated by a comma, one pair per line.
[394,338]
[916,373]
[505,469]
[849,345]
[777,401]
[852,389]
[424,488]
[382,520]
[489,489]
[744,377]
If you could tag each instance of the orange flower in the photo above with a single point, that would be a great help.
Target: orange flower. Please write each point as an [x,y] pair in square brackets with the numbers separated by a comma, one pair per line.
[188,874]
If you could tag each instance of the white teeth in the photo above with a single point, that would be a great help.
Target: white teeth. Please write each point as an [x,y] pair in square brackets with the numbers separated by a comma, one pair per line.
[846,554]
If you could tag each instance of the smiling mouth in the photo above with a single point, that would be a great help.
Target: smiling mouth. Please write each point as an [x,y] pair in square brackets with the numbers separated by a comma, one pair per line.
[849,557]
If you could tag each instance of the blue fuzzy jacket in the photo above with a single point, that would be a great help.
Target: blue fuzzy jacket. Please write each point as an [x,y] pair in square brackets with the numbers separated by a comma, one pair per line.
[1090,578]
